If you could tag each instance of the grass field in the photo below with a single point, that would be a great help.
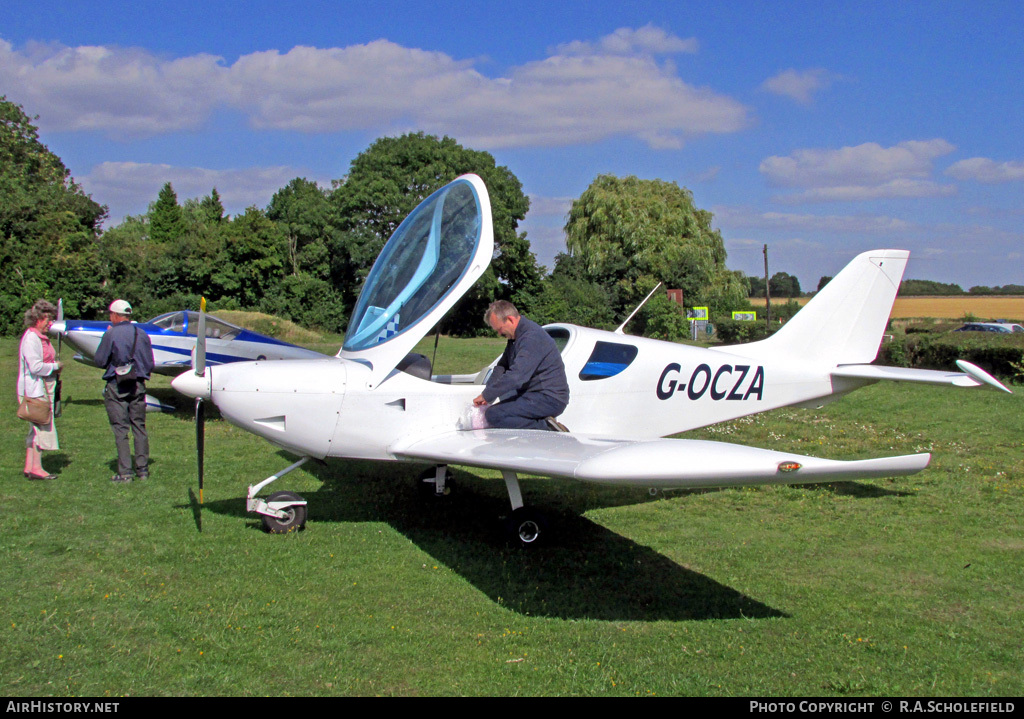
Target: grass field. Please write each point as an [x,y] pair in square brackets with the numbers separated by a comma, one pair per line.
[899,587]
[982,308]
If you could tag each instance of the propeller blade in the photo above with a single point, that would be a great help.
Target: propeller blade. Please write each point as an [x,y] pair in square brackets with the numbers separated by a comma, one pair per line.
[57,401]
[60,318]
[199,363]
[200,441]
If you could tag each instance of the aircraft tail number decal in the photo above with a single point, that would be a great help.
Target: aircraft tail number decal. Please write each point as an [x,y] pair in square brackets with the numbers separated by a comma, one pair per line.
[728,382]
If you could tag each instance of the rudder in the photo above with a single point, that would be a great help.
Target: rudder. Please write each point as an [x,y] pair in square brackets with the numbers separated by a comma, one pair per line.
[845,321]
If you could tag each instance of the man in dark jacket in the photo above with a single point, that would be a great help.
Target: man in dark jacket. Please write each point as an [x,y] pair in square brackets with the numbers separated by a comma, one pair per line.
[126,355]
[528,388]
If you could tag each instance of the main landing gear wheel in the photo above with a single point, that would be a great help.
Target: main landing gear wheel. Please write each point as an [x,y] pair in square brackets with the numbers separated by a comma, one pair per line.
[295,515]
[527,527]
[426,484]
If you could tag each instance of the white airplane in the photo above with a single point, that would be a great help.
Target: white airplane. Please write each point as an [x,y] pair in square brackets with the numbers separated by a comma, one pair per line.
[376,401]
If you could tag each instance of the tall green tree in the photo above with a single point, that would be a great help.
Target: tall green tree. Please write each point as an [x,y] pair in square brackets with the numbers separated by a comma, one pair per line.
[302,213]
[252,261]
[166,220]
[393,175]
[627,234]
[211,209]
[48,226]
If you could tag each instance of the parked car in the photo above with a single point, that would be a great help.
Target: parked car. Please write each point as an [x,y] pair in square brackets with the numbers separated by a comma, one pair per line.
[1003,327]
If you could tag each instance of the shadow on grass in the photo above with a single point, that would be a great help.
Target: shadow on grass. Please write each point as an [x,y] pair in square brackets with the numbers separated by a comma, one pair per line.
[857,490]
[197,510]
[586,572]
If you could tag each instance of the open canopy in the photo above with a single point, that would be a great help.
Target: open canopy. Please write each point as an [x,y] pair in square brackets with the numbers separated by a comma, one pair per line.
[433,257]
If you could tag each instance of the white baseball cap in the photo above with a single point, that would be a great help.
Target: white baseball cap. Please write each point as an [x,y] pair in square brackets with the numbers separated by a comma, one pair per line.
[120,307]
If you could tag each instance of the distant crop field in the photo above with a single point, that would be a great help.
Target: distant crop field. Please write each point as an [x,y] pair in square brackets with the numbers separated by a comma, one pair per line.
[980,307]
[940,307]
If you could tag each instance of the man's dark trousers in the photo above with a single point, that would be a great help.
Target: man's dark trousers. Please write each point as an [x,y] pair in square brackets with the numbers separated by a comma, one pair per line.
[522,412]
[126,409]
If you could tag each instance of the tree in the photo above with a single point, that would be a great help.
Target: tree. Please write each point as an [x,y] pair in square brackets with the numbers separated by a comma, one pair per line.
[166,220]
[252,261]
[302,212]
[928,287]
[392,176]
[628,234]
[211,208]
[48,226]
[783,284]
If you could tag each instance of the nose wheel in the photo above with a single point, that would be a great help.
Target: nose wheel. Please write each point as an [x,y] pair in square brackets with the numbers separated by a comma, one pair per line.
[288,517]
[281,512]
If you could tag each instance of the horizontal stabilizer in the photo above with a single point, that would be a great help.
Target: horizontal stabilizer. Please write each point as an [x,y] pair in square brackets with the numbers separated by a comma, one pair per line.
[663,463]
[972,376]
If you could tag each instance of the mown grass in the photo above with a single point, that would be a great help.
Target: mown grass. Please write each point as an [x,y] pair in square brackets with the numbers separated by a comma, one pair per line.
[907,586]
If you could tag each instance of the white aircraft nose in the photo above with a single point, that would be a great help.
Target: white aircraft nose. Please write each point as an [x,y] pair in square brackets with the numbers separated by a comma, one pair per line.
[191,385]
[58,327]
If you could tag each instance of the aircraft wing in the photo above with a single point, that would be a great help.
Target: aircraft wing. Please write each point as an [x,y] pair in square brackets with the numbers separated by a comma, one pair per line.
[663,463]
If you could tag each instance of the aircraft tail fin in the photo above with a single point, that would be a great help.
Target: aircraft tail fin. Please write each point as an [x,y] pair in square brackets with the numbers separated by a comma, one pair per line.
[845,321]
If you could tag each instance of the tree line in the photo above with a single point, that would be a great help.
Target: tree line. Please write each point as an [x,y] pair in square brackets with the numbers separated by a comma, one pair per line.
[305,255]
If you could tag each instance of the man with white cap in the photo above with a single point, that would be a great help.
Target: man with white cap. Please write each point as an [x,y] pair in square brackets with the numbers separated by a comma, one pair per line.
[126,355]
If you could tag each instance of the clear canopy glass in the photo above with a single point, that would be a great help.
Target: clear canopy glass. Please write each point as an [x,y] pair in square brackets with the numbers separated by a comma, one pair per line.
[188,322]
[425,258]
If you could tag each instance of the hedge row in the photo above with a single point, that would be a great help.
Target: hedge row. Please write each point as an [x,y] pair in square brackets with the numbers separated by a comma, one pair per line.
[939,350]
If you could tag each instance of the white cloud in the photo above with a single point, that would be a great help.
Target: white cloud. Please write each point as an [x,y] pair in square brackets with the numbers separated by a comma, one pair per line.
[135,185]
[567,100]
[900,187]
[544,225]
[985,170]
[627,41]
[583,94]
[864,172]
[746,217]
[551,207]
[799,85]
[111,89]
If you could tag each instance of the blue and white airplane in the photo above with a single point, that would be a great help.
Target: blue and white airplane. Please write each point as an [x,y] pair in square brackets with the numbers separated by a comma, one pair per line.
[173,336]
[375,400]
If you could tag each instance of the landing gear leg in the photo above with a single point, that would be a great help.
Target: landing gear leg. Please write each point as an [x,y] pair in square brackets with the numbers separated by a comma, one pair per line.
[525,527]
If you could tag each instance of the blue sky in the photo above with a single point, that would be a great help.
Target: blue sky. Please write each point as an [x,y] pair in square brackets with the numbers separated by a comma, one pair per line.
[821,129]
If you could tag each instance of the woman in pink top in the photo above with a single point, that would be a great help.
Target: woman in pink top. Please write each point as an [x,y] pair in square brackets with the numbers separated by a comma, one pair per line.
[37,377]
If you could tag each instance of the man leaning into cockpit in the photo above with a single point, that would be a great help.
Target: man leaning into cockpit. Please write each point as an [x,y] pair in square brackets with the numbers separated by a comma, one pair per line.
[528,388]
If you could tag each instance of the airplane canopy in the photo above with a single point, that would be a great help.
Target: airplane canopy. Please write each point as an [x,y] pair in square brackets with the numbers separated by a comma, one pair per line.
[433,257]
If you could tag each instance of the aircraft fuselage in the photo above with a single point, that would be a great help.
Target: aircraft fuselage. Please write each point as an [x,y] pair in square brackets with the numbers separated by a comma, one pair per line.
[328,408]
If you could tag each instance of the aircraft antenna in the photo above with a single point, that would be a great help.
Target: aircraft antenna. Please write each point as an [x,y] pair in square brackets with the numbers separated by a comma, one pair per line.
[437,336]
[619,331]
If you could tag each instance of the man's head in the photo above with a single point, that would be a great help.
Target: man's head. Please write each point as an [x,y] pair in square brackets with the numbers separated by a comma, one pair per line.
[120,311]
[503,317]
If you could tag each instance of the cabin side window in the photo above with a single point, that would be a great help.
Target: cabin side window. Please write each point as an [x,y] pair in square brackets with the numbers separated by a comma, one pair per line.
[607,360]
[560,335]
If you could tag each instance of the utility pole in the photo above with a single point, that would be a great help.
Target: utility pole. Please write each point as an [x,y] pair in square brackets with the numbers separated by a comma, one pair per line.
[767,294]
